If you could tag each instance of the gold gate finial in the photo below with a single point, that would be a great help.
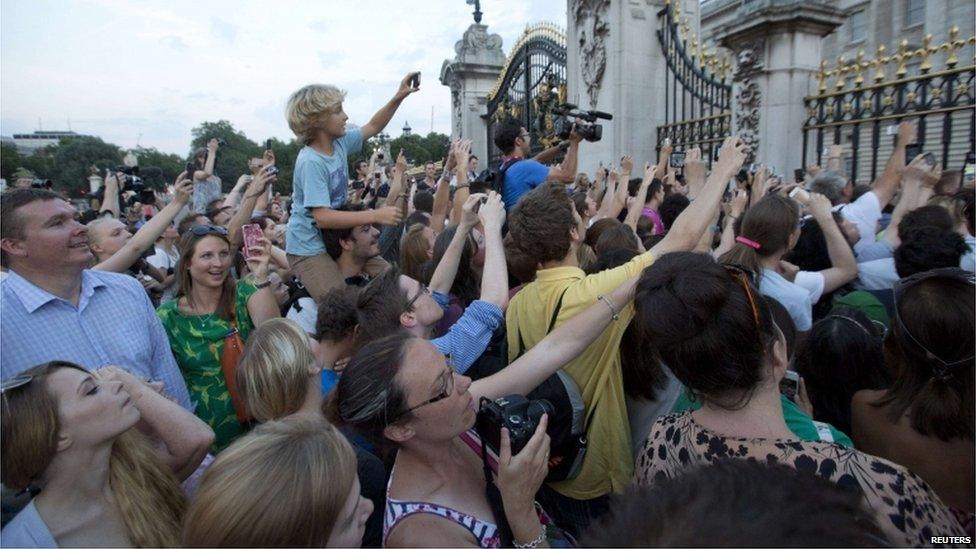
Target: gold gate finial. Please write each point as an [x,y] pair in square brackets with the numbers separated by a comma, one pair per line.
[879,62]
[951,46]
[859,65]
[840,71]
[924,52]
[902,56]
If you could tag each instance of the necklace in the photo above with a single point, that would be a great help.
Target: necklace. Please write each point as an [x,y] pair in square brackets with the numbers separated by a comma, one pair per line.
[202,322]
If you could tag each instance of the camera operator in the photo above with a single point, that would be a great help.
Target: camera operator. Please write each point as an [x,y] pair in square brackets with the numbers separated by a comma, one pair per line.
[206,185]
[521,175]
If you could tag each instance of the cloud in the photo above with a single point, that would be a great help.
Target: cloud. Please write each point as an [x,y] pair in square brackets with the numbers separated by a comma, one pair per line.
[223,30]
[174,42]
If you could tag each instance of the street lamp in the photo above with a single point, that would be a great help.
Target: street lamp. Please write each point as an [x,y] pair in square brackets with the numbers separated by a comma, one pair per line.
[477,9]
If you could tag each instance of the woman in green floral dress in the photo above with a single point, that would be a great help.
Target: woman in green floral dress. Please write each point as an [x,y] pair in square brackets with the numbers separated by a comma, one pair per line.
[200,319]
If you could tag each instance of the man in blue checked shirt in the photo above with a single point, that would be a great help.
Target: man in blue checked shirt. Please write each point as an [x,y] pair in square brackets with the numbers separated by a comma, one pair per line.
[393,301]
[52,307]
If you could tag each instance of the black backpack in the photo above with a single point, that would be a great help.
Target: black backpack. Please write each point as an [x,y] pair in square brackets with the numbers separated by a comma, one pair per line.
[492,180]
[567,427]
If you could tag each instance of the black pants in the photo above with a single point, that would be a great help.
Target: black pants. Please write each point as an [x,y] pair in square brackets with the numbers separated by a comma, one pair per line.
[572,515]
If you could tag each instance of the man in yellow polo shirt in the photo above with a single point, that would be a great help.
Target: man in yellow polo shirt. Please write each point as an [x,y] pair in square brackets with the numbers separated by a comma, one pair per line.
[545,226]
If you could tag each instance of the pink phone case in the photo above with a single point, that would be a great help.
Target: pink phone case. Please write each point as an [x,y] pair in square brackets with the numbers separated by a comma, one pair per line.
[252,238]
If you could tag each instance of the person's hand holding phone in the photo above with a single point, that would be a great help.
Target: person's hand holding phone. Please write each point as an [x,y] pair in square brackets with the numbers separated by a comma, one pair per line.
[694,166]
[409,84]
[265,177]
[259,259]
[182,189]
[922,170]
[469,210]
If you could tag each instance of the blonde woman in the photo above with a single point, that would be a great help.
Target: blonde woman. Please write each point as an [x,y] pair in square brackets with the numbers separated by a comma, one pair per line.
[320,180]
[75,434]
[289,483]
[279,376]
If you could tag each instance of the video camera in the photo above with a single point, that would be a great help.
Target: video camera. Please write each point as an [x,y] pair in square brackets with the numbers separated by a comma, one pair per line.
[568,114]
[132,181]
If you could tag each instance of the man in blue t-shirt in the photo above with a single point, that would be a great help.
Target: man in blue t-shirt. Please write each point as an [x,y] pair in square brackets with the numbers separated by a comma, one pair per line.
[321,179]
[523,175]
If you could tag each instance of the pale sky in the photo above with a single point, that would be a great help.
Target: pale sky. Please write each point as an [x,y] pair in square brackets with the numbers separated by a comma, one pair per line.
[146,72]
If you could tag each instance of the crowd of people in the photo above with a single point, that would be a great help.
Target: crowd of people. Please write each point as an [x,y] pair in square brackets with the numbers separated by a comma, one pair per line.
[529,356]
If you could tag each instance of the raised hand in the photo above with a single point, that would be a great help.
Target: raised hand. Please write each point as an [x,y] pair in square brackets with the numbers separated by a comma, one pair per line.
[406,88]
[469,214]
[907,133]
[492,213]
[731,156]
[626,164]
[919,171]
[213,144]
[695,168]
[388,215]
[182,189]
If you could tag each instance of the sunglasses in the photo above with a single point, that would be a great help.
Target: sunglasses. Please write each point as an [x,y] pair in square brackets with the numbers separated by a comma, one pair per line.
[15,382]
[942,370]
[204,230]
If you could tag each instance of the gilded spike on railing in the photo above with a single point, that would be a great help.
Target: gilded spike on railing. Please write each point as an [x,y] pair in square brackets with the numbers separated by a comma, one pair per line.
[879,64]
[840,71]
[951,46]
[823,75]
[684,27]
[859,65]
[903,56]
[924,52]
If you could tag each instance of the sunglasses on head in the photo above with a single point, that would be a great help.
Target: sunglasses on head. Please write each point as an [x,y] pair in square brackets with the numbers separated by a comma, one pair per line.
[943,368]
[15,382]
[204,230]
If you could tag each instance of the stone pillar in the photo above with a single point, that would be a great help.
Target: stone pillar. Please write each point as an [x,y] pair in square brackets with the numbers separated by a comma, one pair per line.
[471,75]
[615,64]
[776,44]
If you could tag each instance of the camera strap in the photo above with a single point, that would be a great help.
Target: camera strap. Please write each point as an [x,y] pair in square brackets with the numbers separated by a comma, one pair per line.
[494,497]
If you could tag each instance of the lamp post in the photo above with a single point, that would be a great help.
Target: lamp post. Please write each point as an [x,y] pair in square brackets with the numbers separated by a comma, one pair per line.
[477,10]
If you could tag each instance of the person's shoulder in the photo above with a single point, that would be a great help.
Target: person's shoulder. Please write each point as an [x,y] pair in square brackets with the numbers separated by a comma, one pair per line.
[114,280]
[27,529]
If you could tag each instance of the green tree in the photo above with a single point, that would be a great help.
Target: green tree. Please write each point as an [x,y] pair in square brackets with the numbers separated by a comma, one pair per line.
[72,158]
[233,156]
[10,161]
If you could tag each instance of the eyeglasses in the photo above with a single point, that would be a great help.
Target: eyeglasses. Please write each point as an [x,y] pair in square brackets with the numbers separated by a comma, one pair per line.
[445,392]
[953,273]
[15,382]
[204,230]
[422,290]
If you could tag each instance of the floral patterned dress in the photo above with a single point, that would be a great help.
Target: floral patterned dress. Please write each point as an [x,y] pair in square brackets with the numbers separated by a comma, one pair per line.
[197,342]
[908,511]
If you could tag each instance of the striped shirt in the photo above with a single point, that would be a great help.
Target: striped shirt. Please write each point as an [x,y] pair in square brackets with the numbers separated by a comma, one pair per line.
[113,324]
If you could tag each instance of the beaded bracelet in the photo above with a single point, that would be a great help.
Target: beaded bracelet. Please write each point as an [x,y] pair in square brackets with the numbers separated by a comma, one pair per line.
[532,544]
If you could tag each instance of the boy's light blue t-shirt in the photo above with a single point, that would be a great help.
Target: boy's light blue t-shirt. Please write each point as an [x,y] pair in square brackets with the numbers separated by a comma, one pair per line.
[520,178]
[318,181]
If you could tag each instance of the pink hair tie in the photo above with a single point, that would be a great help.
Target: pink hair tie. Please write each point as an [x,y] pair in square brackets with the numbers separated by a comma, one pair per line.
[748,242]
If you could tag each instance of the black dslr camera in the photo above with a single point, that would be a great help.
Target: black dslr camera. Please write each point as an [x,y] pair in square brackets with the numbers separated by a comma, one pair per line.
[516,413]
[568,114]
[132,181]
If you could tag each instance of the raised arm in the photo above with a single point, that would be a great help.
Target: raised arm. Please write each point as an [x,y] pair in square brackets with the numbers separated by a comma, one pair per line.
[110,198]
[261,306]
[564,344]
[443,277]
[494,276]
[548,155]
[385,114]
[689,226]
[208,165]
[566,172]
[738,207]
[181,439]
[146,236]
[918,182]
[843,265]
[463,189]
[258,186]
[443,193]
[695,171]
[886,185]
[662,161]
[637,208]
[610,206]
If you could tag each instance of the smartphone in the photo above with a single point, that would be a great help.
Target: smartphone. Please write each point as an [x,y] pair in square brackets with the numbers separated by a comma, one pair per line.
[800,195]
[252,238]
[358,185]
[892,129]
[677,159]
[415,81]
[799,175]
[789,386]
[190,169]
[267,145]
[911,151]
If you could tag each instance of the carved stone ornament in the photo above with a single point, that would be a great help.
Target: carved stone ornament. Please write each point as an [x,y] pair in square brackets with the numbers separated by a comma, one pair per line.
[476,40]
[590,18]
[748,96]
[456,106]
